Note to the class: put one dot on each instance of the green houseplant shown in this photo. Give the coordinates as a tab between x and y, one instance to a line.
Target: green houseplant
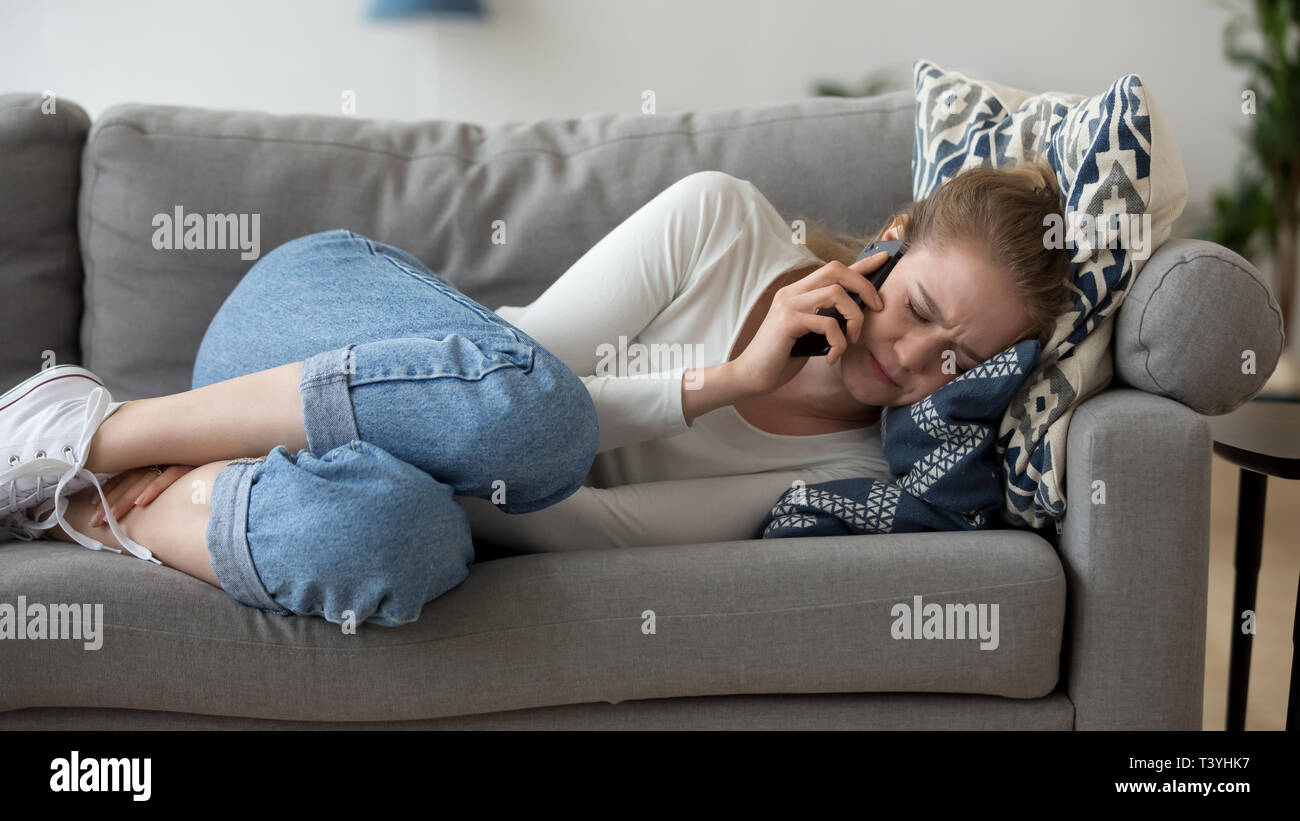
1257	215
877	82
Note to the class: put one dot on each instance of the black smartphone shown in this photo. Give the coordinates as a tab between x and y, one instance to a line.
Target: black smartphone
815	344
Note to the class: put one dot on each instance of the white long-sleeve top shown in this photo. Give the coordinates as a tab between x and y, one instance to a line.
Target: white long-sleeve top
682	273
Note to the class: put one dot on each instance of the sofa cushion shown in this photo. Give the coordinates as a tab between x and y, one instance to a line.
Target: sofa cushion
1202	327
501	211
942	457
40	265
1114	154
804	615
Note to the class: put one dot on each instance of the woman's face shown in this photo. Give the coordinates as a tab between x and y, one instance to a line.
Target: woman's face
972	313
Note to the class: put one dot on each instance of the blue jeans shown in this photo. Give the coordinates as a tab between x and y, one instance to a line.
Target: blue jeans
411	392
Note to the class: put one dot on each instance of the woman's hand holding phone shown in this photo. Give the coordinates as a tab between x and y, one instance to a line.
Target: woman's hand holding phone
766	363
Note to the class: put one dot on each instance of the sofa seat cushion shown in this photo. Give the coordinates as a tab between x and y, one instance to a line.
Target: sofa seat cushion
803	615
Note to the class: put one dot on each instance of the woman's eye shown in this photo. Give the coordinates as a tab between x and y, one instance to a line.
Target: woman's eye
913	310
960	370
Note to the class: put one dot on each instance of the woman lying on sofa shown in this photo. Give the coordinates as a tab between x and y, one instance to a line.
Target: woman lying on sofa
396	413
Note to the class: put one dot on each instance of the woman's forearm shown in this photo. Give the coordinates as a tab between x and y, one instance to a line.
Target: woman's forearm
707	389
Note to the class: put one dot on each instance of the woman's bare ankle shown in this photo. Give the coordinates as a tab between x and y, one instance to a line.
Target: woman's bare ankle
101	456
172	526
80	510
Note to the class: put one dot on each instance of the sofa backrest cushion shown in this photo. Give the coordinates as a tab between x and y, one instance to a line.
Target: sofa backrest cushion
438	189
447	192
40	266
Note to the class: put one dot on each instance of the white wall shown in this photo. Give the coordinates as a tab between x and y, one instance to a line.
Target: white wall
564	58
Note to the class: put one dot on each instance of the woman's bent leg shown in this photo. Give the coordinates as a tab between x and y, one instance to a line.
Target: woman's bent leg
173	526
354	536
228	419
491	420
393	355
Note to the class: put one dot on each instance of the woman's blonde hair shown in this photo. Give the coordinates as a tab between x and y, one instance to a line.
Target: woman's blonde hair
1004	209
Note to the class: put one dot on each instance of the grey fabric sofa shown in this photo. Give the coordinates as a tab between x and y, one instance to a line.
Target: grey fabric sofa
1102	625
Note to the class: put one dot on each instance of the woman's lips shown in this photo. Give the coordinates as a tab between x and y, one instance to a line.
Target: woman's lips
880	372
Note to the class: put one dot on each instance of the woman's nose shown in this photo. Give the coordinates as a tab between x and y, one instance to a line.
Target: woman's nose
916	354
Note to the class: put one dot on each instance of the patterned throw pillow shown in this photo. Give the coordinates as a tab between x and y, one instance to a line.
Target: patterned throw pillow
941	453
1118	163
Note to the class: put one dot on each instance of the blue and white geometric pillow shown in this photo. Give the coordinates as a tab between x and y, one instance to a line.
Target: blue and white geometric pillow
942	454
1114	156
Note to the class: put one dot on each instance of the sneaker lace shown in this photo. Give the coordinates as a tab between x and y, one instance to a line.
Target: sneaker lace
21	527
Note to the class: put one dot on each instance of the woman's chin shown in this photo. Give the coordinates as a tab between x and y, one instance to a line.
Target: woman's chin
863	386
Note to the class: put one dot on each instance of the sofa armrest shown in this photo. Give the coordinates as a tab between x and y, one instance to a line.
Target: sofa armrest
1200	326
1135	544
40	262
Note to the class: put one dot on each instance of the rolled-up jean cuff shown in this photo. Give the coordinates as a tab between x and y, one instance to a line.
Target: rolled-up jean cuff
327	415
227	537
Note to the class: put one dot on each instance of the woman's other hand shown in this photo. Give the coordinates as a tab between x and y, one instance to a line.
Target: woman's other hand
766	363
137	486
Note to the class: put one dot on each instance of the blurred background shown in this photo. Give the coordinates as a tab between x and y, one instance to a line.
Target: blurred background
528	59
495	61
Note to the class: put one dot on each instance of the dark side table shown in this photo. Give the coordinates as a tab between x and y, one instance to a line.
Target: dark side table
1263	438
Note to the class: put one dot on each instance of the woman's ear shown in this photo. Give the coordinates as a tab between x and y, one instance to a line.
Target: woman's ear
900	221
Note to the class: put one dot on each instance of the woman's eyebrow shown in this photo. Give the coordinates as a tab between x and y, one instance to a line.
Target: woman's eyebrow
933	310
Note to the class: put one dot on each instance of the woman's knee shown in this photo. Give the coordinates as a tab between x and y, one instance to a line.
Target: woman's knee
502	399
357	534
568	424
554	427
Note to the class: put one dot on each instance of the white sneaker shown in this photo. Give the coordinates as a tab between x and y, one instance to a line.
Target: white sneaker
46	426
